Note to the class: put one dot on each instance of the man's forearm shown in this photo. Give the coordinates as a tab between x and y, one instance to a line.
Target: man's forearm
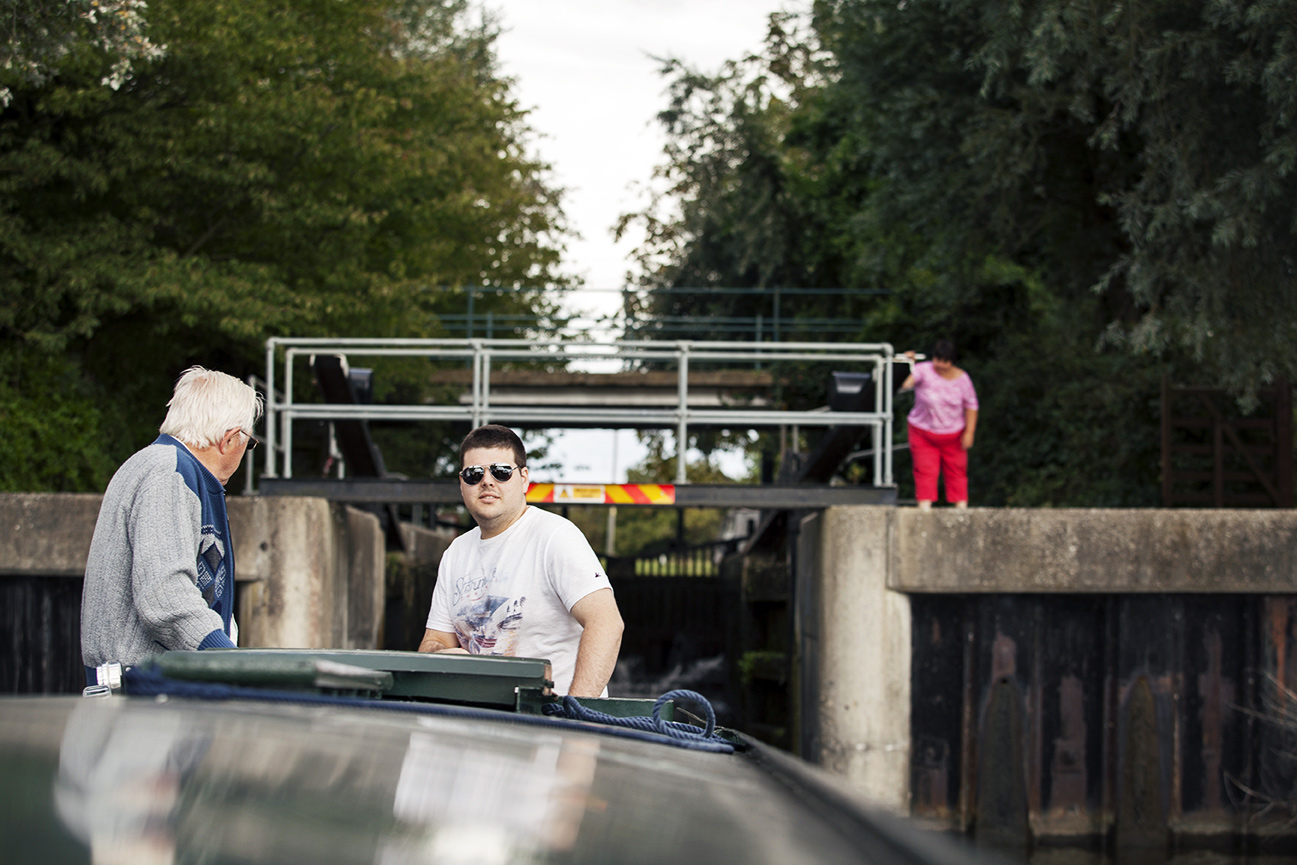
439	641
596	657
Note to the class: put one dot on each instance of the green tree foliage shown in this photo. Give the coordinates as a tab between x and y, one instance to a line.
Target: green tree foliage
318	169
55	445
37	35
1141	151
1082	195
740	202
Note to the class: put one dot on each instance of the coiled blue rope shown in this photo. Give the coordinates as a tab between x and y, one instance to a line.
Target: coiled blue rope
689	735
141	682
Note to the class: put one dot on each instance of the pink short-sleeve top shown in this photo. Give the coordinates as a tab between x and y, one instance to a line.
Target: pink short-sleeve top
939	403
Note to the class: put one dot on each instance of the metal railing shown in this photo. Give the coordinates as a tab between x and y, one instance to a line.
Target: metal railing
775	313
483	355
250	454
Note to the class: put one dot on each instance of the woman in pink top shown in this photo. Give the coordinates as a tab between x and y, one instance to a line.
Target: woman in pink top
941	425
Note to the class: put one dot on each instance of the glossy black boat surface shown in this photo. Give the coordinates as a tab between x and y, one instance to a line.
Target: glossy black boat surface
145	779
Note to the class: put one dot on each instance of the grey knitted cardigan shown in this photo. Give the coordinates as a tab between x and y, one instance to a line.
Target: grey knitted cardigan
161	569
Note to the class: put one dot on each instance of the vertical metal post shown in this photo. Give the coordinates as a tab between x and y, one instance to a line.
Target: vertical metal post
477	384
889	390
249	460
1218	460
469	323
877	427
1167	479
610	536
876	434
287	415
486	386
682	412
1283	426
271	416
776	314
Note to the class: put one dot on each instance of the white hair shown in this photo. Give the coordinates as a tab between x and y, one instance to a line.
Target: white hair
207	404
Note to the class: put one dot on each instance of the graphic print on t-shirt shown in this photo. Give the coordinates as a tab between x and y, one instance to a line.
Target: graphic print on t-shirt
486	624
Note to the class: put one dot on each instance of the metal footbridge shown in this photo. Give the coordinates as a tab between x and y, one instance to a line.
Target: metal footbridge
566	384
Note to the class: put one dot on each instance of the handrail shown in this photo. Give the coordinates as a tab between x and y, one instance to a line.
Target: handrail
249	457
281	411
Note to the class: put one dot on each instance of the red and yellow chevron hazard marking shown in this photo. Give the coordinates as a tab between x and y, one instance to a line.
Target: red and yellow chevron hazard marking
602	494
640	494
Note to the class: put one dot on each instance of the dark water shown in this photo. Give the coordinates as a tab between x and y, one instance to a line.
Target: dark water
705	676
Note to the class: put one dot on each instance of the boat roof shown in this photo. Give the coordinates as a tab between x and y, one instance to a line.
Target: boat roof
167	778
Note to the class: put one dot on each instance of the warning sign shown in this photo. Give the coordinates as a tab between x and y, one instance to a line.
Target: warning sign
588	494
602	494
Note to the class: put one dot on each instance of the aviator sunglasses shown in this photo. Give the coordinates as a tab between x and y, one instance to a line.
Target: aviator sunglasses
472	475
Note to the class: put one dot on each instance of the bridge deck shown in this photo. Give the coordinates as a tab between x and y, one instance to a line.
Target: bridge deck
707	389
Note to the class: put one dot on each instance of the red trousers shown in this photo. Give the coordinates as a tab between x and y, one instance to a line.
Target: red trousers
933	452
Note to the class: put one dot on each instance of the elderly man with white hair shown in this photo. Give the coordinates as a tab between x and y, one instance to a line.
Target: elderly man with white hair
161	570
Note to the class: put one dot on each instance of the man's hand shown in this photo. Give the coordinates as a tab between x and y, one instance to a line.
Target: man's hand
440	641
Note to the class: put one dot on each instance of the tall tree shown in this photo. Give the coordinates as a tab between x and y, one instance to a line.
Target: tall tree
36	36
868	173
322	168
1143	151
741	203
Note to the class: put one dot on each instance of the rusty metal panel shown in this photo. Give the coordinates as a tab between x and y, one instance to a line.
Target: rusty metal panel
1006	788
1274	775
936	677
1218	654
1068	714
1101	720
1149	634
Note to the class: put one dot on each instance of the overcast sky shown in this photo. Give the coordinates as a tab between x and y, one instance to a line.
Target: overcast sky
585	70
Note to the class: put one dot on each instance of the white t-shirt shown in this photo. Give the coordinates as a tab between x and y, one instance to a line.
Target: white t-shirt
512	594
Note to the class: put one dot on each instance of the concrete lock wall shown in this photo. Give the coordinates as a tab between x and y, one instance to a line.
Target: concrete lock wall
861	654
46	534
870	565
1094	550
310	573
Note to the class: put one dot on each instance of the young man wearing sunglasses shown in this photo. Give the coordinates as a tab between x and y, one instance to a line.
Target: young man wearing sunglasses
525	582
160	574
